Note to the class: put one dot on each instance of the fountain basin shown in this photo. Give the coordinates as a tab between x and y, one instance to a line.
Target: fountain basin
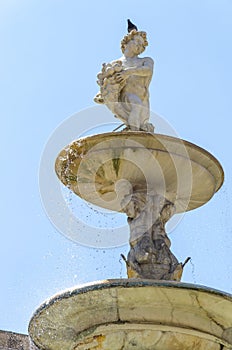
93	168
134	314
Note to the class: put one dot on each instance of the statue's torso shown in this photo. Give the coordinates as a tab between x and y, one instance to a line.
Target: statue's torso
136	84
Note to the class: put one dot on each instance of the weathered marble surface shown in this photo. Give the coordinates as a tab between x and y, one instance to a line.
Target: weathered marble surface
124	83
135	314
150	255
95	167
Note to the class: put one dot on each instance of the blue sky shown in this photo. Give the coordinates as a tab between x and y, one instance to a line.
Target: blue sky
51	52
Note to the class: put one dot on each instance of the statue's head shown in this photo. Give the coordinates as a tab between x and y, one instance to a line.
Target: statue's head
130	36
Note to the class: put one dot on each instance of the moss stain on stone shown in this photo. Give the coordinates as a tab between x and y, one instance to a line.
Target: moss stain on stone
101	172
116	165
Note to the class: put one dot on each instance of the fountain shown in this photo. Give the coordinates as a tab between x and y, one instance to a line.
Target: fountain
149	177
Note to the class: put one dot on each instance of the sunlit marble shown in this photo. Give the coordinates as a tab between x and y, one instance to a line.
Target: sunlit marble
135	314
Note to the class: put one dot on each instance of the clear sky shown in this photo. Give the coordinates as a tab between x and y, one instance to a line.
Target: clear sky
51	51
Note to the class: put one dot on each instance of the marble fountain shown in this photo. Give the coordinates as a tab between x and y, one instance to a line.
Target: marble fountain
150	177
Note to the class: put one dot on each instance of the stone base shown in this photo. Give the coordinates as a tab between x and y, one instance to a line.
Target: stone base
134	314
14	341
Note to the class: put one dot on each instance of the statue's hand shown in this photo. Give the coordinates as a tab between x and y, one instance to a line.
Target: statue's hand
121	76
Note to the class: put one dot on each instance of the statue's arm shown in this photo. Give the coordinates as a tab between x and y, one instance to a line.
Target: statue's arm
145	70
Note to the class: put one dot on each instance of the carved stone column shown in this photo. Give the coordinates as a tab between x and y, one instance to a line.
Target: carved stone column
150	255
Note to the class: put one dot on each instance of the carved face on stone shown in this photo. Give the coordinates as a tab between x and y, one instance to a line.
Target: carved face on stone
135	45
131	209
135	40
167	212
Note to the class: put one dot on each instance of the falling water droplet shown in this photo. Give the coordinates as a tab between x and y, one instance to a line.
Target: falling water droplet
193	271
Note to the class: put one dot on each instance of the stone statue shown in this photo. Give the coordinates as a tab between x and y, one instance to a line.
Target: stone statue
124	83
149	255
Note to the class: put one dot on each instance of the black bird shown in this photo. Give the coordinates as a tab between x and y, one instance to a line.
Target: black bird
131	26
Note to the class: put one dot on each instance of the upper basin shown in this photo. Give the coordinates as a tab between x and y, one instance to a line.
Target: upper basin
93	167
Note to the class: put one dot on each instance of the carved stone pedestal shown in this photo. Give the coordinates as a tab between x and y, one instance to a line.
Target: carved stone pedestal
150	255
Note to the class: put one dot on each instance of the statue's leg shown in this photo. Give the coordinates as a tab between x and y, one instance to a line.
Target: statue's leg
145	125
134	118
135	105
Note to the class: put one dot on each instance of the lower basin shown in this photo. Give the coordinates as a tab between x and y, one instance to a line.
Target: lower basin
134	314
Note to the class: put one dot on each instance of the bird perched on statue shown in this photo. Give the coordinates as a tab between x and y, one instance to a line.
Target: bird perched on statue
131	26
